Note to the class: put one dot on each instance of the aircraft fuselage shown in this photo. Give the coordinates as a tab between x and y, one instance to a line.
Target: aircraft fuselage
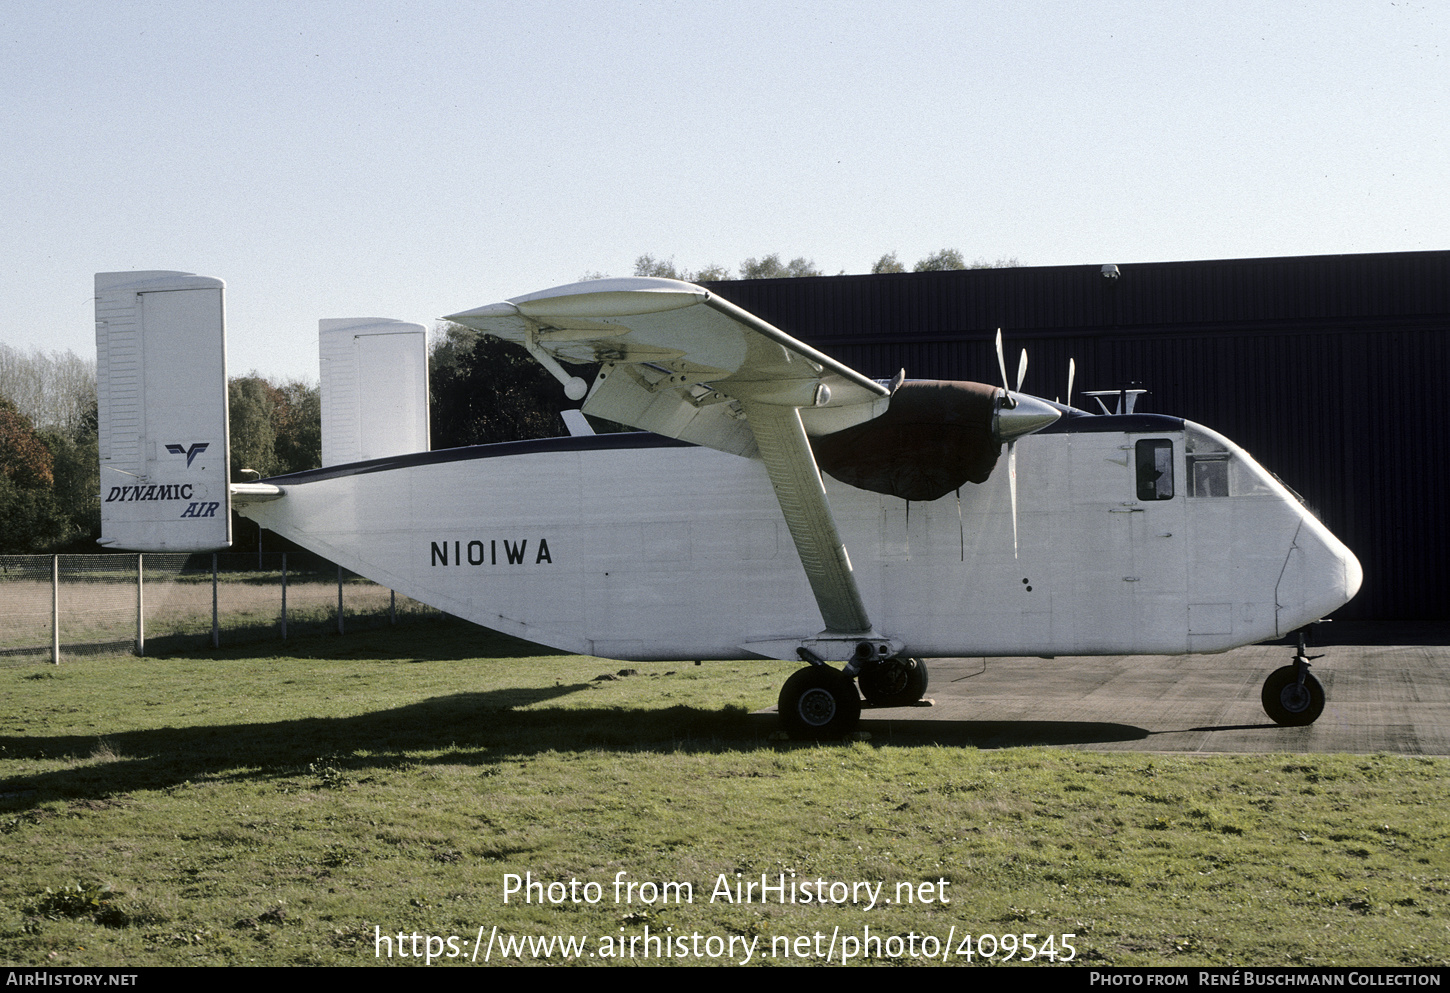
1139	534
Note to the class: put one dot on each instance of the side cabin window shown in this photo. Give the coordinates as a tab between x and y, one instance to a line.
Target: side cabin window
1155	469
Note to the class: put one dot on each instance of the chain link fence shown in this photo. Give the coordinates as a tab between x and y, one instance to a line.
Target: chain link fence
52	606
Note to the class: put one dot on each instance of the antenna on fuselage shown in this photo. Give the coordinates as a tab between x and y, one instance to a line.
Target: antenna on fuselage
1127	399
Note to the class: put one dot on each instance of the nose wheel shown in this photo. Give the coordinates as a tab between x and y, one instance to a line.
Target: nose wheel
1292	697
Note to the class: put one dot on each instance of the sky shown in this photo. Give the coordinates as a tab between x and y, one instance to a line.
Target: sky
411	160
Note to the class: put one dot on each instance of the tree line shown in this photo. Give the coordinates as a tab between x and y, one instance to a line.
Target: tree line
50	491
771	267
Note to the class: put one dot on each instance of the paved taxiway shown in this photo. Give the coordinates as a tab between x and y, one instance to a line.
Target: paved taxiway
1388	690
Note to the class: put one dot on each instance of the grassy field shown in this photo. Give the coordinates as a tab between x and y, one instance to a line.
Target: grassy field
227	809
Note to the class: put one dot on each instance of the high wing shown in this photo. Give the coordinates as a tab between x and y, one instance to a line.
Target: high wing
682	362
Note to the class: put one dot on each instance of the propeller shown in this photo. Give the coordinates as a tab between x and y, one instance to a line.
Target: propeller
1071	372
1016	416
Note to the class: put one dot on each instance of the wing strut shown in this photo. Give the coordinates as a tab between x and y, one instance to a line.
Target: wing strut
797	481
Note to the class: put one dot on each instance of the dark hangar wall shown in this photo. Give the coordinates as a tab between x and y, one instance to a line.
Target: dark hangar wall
1332	370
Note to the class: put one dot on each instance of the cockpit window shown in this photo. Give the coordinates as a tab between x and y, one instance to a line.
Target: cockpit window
1215	469
1208	475
1207	461
1155	469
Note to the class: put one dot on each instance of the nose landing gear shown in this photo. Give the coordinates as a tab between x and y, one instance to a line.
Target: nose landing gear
1292	697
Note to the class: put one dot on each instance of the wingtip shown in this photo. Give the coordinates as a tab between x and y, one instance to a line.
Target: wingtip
504	309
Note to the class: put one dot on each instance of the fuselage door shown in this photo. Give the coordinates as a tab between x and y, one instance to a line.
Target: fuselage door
1156	521
1128	514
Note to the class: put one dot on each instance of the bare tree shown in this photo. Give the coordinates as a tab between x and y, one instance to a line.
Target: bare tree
56	391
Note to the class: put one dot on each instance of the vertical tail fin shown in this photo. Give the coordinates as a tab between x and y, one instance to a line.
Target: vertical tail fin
161	377
374	388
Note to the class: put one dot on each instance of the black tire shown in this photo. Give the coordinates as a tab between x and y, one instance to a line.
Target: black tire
894	682
819	702
1289	705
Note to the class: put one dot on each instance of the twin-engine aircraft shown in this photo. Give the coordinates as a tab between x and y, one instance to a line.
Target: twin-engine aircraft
780	504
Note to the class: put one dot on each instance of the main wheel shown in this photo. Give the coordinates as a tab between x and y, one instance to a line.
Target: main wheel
893	682
819	702
1290	704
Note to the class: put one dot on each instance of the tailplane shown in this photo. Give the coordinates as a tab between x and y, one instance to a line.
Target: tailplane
161	374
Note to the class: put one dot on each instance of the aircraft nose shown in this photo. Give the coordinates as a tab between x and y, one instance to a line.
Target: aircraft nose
1320	575
1353	573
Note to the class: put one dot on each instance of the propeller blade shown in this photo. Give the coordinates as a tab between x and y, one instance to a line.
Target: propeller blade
1012	482
1071	371
1001	359
1021	370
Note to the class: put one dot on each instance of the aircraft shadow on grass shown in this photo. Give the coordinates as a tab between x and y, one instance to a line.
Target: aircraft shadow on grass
483	728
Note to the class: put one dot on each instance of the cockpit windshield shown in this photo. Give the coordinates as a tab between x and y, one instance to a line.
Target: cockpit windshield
1216	467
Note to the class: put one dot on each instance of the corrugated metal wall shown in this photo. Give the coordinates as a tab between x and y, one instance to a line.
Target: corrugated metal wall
1331	370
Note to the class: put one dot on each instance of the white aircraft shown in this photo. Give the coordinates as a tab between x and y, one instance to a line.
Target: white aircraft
781	505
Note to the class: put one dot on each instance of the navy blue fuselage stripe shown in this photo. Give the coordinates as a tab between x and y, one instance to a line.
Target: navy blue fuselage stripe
1082	422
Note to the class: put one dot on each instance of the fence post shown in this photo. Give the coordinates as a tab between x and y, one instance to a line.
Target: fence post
284	596
392	606
216	640
55	609
339	599
140	609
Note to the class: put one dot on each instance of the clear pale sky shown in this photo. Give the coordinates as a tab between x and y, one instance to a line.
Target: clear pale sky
408	160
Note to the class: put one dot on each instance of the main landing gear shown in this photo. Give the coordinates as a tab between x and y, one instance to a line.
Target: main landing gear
819	701
1292	697
894	682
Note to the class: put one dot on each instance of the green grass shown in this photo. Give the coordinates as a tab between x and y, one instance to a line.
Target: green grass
227	809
